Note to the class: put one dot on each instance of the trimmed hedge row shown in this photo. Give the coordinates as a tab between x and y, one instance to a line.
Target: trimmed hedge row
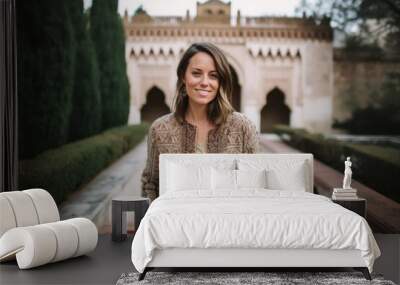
375	166
63	170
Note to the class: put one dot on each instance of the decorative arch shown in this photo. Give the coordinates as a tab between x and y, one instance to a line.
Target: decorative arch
237	90
275	111
238	67
155	105
282	87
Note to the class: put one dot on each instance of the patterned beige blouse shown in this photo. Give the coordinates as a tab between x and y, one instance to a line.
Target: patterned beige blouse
167	135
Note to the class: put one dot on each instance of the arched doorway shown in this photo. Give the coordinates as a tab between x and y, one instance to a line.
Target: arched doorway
275	111
155	106
235	101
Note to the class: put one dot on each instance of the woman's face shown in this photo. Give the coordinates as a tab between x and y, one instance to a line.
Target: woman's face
201	79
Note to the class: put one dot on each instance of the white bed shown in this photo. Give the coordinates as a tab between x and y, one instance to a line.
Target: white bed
224	216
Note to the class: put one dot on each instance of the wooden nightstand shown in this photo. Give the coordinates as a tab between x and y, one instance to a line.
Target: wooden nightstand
358	205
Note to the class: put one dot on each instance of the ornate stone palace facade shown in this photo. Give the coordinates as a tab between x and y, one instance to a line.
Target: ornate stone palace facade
283	67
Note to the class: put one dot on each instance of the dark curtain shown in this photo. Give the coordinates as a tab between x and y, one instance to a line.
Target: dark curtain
8	97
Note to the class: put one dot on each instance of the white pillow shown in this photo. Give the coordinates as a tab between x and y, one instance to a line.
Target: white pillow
282	174
182	177
226	179
293	180
251	178
223	179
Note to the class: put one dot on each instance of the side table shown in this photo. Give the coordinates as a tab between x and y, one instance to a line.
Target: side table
358	205
121	205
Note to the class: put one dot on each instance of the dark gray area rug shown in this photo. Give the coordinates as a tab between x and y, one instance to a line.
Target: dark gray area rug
229	278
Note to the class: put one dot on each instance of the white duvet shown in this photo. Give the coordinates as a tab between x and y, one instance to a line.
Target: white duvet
252	218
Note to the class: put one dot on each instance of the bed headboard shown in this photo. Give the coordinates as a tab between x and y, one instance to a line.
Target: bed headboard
282	163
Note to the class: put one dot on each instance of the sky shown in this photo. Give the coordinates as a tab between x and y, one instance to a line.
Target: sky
179	7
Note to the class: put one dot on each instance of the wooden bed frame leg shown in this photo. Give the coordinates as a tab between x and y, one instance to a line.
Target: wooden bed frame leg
364	271
143	274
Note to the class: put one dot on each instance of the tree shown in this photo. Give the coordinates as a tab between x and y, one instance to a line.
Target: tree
343	14
387	13
124	97
46	49
366	19
107	35
86	102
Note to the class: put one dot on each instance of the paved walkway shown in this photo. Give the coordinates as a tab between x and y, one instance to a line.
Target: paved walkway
123	177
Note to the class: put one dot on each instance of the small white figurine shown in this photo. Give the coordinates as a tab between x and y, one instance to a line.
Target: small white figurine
347	174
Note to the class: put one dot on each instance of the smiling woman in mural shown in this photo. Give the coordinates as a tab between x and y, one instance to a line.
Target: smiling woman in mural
203	120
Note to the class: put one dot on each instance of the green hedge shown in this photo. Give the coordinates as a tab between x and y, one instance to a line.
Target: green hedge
63	170
375	166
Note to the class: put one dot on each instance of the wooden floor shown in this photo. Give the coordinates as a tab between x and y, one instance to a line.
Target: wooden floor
110	259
